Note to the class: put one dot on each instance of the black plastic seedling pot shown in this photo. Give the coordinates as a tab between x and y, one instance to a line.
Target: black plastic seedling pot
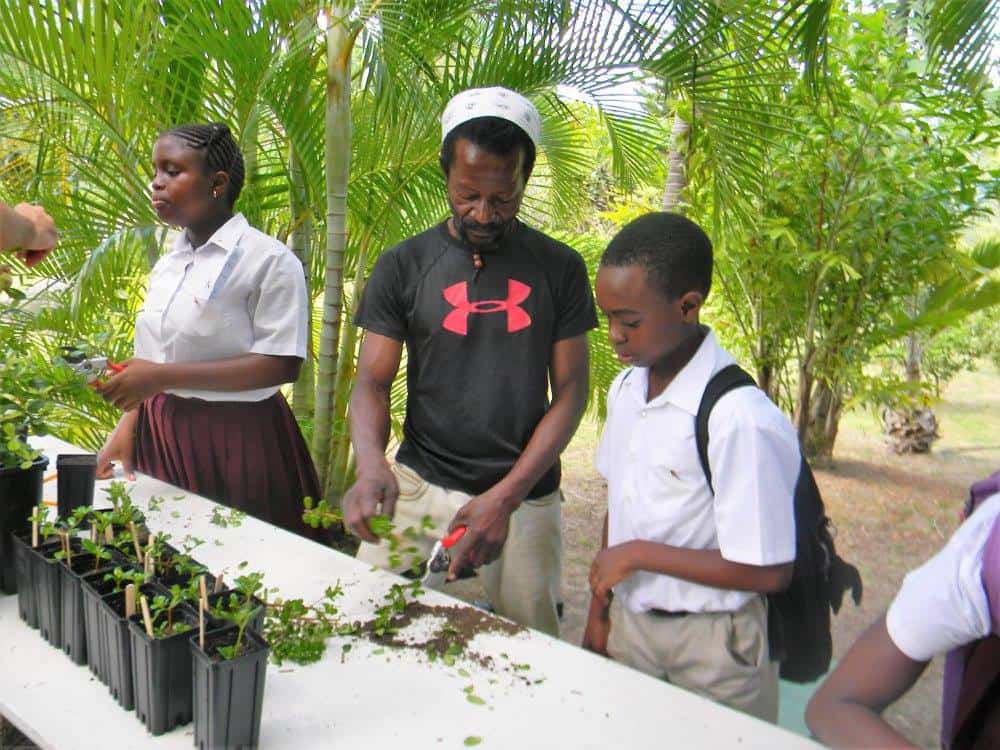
47	583
74	627
76	473
20	491
228	693
161	674
25	559
117	644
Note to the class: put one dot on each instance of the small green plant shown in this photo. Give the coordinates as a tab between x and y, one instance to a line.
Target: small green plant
123	510
123	578
162	611
222	518
322	515
155	503
99	551
298	631
240	608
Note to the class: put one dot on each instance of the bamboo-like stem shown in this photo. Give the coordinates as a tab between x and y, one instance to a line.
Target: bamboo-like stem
339	43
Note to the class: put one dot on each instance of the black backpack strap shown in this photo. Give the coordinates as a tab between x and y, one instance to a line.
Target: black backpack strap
725	380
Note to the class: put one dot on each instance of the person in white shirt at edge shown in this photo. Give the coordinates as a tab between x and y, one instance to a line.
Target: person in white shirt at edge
941	606
678	586
224	324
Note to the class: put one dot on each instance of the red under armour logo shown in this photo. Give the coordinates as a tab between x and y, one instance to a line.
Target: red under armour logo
457	321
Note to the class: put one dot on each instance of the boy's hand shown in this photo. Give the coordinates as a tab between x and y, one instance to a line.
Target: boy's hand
595	634
611	566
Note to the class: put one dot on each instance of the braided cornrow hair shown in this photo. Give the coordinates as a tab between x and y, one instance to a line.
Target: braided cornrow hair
222	154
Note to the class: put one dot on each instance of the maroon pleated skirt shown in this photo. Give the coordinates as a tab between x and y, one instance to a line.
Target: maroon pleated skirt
249	455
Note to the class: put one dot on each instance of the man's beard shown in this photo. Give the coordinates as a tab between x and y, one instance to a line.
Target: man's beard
484	237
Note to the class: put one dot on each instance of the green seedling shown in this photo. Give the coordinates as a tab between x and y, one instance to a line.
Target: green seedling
123	578
240	608
100	552
221	518
162	611
322	515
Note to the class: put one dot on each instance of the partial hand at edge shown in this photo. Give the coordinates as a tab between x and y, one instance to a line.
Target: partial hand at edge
374	491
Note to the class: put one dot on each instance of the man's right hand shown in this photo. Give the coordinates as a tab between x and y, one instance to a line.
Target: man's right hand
373	488
595	634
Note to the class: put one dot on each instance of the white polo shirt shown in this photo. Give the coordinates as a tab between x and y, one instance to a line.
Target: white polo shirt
657	490
240	292
942	604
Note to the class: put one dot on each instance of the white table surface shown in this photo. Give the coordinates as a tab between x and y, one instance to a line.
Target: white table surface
395	699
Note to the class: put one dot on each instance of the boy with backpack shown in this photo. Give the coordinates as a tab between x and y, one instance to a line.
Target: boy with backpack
950	604
679	587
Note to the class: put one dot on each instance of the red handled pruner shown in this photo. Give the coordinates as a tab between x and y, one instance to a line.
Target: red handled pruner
440	560
93	368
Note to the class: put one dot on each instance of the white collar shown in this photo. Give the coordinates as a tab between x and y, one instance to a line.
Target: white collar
225	238
688	386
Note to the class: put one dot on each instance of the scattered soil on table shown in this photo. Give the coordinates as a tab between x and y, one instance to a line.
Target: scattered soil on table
461	625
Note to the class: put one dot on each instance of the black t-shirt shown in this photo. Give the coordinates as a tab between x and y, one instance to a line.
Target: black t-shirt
478	347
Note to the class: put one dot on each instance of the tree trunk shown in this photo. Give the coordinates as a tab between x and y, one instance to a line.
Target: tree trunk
339	42
824	422
677	164
300	242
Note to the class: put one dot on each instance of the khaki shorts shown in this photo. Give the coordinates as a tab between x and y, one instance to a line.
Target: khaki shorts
720	655
522	584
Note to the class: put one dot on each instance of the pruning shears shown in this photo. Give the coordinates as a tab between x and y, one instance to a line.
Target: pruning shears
440	560
94	367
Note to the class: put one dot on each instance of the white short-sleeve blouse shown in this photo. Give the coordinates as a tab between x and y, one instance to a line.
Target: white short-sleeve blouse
241	292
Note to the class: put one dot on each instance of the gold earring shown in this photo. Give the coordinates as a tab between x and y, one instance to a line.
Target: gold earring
215	194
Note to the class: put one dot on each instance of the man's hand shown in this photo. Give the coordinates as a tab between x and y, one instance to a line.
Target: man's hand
487	520
611	566
374	488
39	241
138	380
595	634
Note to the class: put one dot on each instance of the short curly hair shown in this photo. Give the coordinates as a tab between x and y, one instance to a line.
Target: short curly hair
675	252
222	153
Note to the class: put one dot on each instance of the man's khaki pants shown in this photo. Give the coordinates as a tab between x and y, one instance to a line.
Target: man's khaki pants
720	655
522	584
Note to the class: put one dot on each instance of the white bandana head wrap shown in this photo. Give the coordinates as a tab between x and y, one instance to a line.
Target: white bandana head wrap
492	102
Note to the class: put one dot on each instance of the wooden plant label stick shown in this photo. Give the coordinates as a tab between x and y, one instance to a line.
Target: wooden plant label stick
219	585
201	619
202	589
148	563
130	600
109	534
34	530
135	539
146	619
93	534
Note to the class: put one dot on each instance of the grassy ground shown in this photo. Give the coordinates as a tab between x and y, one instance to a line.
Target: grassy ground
891	513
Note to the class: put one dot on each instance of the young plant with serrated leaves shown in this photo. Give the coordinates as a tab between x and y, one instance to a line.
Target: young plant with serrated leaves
99	551
123	577
240	608
321	515
162	610
123	510
298	631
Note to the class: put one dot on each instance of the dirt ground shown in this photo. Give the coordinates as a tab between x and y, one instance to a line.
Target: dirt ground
891	513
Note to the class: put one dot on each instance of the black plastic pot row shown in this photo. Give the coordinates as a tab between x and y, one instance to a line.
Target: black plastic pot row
168	681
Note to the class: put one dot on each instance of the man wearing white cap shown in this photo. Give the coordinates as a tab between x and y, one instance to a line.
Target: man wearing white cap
493	314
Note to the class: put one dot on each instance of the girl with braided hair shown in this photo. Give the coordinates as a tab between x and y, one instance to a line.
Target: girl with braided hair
224	324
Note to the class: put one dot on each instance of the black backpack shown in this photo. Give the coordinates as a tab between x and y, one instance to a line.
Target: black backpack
798	618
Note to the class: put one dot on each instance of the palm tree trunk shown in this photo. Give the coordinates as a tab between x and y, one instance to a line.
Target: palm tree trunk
300	242
339	42
677	181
